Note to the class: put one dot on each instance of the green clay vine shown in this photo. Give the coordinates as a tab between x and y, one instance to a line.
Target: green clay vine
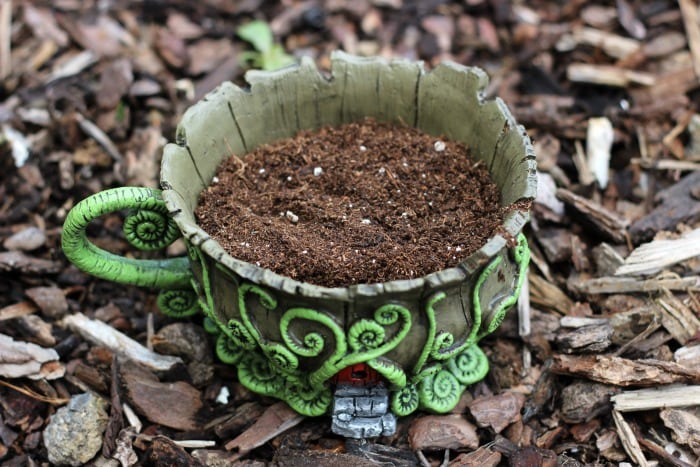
313	343
521	255
443	369
469	366
239	335
150	230
256	373
439	392
405	400
365	335
308	400
390	314
227	351
178	303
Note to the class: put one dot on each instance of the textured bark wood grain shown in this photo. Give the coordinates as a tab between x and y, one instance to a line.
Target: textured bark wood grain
624	372
608	222
677	204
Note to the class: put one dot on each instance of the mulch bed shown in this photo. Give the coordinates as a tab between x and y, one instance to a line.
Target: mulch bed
365	202
600	365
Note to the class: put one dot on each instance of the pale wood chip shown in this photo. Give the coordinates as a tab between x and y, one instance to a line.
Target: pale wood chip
601	285
27	360
657	398
102	334
629	440
652	257
608	75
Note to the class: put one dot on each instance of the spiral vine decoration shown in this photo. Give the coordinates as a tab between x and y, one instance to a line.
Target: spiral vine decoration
178	303
365	334
239	334
440	392
150	230
280	358
405	400
256	373
312	343
307	400
227	351
469	366
366	345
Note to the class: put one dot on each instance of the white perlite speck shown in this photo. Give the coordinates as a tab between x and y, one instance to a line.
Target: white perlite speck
292	217
439	146
318	171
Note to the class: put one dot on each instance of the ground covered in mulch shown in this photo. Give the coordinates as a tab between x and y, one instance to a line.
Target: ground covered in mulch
598	365
364	202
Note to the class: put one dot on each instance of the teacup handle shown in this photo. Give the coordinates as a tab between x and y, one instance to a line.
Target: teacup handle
147	227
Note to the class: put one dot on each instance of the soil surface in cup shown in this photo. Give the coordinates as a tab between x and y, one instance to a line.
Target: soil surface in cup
361	203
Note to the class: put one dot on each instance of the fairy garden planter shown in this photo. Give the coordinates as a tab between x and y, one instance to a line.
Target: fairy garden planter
363	352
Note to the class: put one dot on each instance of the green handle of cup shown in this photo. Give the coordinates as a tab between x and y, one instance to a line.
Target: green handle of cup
147	227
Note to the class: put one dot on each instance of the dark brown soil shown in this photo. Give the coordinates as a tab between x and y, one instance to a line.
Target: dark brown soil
365	202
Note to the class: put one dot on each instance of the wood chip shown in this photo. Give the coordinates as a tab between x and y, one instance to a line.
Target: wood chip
677	318
483	457
174	405
685	424
628	284
624	372
609	223
442	432
607	75
677	204
15	261
652	257
27	360
629	440
497	412
657	398
276	419
51	300
102	334
544	293
17	310
689	10
612	44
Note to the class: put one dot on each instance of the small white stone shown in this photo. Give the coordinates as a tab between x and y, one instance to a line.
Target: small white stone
303	252
458	249
289	178
439	146
318	171
363	148
215	180
382	171
222	397
261	171
366	221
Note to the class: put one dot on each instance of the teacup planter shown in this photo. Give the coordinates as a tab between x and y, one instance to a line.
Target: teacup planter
364	353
